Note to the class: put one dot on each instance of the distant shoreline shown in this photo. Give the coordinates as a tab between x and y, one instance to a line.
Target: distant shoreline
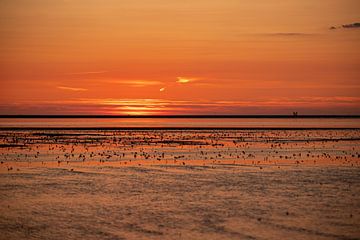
170	128
179	116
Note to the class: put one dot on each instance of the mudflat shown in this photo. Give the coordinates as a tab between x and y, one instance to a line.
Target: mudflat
180	184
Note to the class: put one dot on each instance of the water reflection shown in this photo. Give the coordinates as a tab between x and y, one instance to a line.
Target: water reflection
186	122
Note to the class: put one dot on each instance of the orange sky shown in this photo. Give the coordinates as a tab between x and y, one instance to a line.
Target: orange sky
179	57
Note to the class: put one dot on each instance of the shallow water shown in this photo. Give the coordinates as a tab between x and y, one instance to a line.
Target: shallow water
180	122
219	184
225	202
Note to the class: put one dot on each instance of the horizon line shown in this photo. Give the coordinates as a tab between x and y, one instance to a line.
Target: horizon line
170	128
179	116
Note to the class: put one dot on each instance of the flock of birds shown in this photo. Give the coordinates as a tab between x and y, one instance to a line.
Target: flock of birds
254	147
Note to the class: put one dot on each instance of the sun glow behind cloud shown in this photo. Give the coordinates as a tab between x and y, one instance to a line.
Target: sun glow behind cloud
165	107
186	80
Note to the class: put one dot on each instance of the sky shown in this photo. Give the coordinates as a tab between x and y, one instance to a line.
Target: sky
179	57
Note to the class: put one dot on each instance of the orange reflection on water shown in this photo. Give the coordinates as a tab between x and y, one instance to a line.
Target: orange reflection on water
180	122
85	148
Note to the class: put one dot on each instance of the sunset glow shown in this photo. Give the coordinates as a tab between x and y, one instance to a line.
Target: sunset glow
179	57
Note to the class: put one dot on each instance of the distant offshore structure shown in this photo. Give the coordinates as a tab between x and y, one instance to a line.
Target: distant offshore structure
295	114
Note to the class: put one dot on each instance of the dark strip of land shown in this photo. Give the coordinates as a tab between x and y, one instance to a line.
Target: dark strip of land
170	128
179	116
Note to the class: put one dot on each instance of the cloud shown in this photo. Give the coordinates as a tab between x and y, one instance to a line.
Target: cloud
346	26
287	34
278	105
351	25
136	83
290	34
72	89
185	80
86	73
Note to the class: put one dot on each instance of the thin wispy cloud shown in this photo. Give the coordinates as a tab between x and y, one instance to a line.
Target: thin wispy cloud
87	73
351	25
355	25
285	34
290	34
180	80
72	89
135	83
186	79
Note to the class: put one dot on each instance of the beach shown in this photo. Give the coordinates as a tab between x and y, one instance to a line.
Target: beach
180	184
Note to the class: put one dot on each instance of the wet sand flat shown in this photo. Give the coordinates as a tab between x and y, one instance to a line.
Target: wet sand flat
200	184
